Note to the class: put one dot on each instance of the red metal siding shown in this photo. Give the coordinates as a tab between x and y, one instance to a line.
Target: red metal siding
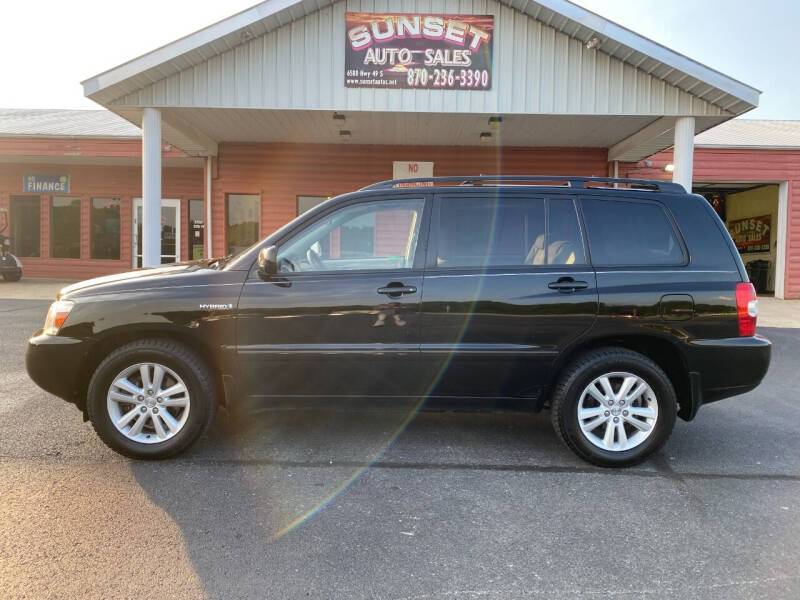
82	147
86	182
281	172
745	165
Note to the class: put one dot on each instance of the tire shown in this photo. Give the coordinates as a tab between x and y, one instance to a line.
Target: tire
655	405
180	367
12	276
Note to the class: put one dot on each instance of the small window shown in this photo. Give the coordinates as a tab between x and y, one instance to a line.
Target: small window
197	229
306	203
104	219
65	227
243	221
367	236
630	233
26	220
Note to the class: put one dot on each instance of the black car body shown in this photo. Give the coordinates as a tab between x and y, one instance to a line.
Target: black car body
497	311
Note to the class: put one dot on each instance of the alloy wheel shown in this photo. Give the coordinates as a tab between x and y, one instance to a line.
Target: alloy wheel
617	411
148	403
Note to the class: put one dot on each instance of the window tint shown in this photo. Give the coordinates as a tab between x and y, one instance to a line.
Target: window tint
26	225
243	221
507	231
65	227
104	222
630	233
369	236
564	243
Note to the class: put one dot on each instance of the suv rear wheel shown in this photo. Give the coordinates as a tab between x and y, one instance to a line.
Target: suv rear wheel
151	399
613	407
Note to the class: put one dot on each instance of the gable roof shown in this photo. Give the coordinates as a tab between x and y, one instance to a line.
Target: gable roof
65	123
751	133
730	95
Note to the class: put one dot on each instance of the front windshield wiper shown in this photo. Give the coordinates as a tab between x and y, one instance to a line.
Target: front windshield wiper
221	261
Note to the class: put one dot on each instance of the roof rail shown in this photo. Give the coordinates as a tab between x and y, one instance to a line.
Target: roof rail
576	182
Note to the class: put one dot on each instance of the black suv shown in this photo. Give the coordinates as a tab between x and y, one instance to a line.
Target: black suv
618	304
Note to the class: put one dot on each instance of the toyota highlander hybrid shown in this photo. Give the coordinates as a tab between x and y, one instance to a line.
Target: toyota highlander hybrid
617	304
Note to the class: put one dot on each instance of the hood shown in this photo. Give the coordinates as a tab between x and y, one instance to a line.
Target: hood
168	275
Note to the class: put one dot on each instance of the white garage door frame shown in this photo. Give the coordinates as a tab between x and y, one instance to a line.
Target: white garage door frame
783	218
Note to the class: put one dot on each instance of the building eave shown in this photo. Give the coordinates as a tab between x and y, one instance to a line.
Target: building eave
733	96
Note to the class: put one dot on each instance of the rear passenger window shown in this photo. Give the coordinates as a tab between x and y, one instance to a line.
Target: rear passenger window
564	243
630	233
507	231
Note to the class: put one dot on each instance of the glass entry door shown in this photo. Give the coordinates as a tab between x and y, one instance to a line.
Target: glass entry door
170	231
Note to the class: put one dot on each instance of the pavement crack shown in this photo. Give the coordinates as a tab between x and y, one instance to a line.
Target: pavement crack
444	466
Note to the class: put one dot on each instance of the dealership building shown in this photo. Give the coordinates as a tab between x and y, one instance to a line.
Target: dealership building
219	138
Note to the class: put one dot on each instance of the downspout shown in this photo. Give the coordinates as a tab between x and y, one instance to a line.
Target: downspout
209	238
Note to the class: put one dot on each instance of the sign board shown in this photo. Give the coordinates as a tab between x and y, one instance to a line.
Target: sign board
411	169
46	183
751	234
418	51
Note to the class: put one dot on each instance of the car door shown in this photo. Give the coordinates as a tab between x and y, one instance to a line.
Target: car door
507	287
342	315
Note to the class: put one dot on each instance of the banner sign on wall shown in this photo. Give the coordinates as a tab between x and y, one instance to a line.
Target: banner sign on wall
46	183
751	234
418	51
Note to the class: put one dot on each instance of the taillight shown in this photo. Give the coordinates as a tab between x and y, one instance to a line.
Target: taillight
746	308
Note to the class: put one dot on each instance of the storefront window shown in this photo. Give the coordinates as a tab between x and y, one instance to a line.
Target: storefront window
65	227
197	229
306	203
243	221
104	219
26	218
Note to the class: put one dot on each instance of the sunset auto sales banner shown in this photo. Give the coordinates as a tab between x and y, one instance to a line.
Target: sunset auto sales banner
418	51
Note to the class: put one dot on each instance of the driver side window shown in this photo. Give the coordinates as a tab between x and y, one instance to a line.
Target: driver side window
380	235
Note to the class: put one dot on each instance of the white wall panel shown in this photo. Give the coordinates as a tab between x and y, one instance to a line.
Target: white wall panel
537	70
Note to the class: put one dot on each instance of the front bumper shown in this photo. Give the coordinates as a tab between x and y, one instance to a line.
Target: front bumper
54	364
722	368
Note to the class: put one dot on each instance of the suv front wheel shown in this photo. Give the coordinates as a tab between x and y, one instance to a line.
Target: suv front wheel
613	407
151	399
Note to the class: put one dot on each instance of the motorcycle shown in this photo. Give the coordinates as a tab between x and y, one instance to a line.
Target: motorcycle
10	267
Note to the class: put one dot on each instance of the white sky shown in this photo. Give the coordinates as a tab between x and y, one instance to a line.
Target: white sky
48	46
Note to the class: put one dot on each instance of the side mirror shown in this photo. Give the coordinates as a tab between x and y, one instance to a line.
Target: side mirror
268	262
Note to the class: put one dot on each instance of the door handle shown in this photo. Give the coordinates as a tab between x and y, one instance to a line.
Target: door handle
567	284
395	291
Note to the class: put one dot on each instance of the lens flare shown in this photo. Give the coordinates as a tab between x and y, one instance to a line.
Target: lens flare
423	398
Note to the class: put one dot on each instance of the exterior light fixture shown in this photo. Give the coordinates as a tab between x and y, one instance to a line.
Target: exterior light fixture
648	163
669	168
338	116
344	135
592	43
486	137
494	122
246	35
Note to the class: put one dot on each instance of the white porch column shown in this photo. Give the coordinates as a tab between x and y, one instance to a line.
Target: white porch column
683	158
151	188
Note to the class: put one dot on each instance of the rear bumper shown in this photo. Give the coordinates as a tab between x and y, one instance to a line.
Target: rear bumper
54	364
722	368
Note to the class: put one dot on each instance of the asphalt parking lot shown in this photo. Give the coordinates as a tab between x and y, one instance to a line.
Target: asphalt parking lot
359	502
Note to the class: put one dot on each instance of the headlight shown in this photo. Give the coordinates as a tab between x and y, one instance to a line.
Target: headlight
57	315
